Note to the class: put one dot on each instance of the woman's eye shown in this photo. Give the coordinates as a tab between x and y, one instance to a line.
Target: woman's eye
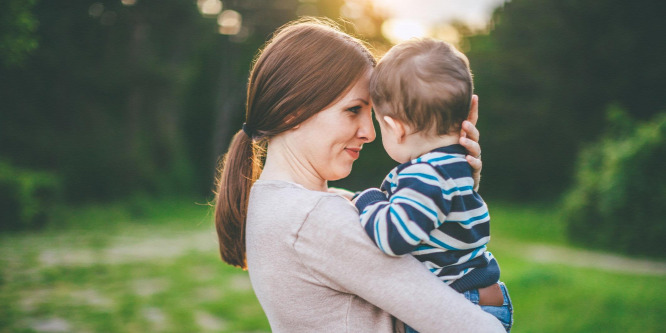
355	109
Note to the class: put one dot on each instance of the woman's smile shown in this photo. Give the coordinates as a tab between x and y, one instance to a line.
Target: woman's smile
353	152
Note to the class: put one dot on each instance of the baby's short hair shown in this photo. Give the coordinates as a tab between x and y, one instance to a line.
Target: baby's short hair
425	83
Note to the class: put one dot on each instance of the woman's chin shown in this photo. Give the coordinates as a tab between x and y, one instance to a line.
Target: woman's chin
340	174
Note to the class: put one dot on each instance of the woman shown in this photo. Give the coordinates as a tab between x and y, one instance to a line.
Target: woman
311	266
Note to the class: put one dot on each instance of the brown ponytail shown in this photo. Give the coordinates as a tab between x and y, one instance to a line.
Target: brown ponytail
306	66
239	169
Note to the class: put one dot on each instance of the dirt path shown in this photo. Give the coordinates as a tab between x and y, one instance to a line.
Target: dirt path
585	258
126	249
144	248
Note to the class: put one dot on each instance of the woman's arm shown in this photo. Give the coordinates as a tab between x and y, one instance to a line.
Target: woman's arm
339	254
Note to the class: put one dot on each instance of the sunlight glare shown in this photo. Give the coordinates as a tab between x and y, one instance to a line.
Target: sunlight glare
447	33
230	22
399	30
352	10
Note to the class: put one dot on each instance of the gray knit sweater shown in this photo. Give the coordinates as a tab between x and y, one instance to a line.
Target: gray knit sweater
313	269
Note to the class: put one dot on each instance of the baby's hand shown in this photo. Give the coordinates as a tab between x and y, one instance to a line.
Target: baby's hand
341	192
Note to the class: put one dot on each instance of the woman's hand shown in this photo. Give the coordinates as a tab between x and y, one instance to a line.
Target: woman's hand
469	138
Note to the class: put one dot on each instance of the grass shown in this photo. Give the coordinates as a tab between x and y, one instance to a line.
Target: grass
555	298
536	223
551	297
152	266
105	277
168	296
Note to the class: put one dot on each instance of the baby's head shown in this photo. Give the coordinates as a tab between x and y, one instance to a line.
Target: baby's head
424	84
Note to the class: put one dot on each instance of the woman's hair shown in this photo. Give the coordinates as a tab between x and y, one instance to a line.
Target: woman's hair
426	83
306	66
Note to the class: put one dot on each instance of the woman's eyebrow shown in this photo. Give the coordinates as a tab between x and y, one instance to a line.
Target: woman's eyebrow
362	100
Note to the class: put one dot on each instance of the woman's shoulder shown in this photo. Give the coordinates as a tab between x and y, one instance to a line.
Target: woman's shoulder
269	195
312	223
332	221
282	191
296	203
285	192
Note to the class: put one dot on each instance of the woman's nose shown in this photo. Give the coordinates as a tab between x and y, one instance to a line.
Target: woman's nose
366	130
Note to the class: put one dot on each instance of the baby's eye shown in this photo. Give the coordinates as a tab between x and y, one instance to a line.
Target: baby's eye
354	109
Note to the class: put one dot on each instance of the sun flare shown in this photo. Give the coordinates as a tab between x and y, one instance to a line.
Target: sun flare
399	30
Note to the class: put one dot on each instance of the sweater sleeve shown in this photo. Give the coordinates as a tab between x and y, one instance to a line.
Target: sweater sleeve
419	204
332	245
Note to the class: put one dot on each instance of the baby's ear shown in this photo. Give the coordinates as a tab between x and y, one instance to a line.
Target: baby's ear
397	126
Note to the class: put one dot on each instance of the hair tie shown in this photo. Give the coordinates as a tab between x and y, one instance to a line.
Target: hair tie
247	130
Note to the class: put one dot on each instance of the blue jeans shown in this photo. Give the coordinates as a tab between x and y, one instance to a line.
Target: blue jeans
504	313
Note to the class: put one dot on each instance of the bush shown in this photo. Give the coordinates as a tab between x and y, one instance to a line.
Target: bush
27	197
619	199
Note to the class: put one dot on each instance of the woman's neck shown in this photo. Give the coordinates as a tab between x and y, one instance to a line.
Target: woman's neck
284	164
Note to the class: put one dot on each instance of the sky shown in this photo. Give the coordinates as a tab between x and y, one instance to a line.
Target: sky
406	18
418	18
474	12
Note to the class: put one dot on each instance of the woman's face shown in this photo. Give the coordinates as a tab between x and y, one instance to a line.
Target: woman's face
330	141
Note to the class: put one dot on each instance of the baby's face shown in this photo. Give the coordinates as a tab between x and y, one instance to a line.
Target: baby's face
391	141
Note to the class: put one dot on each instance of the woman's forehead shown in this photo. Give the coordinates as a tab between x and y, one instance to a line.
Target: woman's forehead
359	91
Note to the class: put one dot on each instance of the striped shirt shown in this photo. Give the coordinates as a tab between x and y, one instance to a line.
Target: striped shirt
428	207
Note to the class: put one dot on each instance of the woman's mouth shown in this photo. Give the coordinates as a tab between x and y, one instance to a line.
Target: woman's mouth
353	152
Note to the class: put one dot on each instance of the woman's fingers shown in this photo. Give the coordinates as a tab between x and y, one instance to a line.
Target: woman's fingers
474	110
475	163
469	131
474	159
471	145
469	138
476	170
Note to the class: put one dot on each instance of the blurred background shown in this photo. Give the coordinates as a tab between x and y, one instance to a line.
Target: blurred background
114	114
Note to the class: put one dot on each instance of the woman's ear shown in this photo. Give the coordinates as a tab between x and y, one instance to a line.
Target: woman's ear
397	126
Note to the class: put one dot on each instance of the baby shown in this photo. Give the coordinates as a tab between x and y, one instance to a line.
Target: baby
422	91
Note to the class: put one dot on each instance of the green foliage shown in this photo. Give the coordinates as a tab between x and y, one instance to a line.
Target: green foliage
100	100
120	98
544	75
18	28
618	199
27	197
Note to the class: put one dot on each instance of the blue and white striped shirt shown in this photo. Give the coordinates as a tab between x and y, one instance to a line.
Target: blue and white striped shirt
428	207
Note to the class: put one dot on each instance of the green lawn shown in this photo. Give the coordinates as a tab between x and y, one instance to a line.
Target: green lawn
153	267
125	267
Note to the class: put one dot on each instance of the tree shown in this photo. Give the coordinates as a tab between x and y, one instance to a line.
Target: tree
99	103
546	72
617	200
17	31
